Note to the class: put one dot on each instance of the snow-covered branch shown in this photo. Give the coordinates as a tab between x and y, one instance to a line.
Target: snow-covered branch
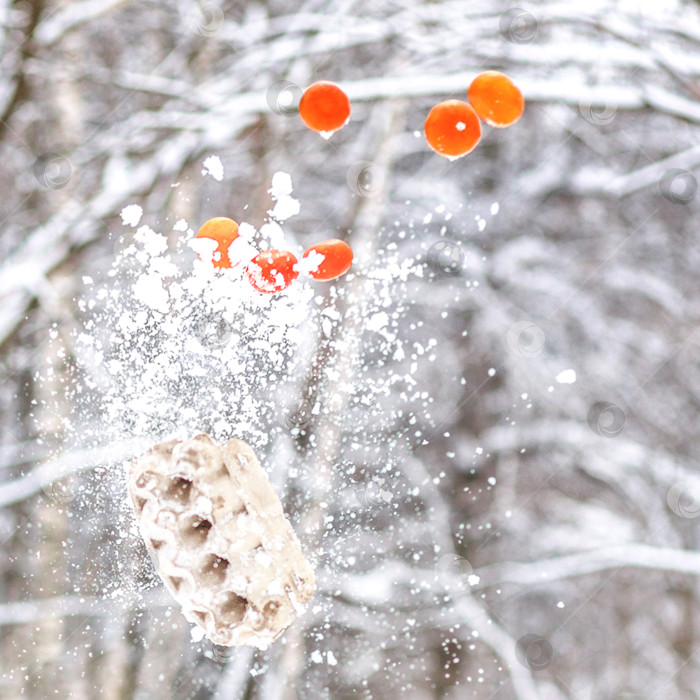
543	571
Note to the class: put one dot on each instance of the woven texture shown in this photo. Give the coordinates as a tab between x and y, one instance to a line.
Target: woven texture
220	540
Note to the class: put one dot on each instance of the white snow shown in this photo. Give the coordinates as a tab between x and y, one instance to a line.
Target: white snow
285	208
568	376
274	234
131	215
377	321
241	251
309	263
285	205
214	167
281	184
154	243
148	289
197	634
204	247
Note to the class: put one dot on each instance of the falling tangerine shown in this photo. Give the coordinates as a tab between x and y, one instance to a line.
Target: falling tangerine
496	99
324	107
224	231
337	259
272	271
452	128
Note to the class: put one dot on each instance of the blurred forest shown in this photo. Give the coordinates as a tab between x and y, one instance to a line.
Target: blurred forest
482	526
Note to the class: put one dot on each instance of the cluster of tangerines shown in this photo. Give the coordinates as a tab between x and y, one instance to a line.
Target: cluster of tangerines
452	129
271	271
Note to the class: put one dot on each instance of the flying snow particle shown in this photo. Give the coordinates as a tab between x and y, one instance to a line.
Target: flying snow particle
204	247
494	208
148	289
568	376
285	208
310	262
281	184
154	243
273	233
241	251
285	205
214	167
378	321
131	215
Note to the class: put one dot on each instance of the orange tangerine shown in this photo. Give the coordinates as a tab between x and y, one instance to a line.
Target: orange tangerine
452	128
496	99
224	231
324	107
337	259
272	271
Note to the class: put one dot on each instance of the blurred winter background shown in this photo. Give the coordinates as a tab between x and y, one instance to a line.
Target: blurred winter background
486	435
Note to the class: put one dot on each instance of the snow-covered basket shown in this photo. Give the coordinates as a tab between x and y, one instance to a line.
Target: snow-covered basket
220	539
